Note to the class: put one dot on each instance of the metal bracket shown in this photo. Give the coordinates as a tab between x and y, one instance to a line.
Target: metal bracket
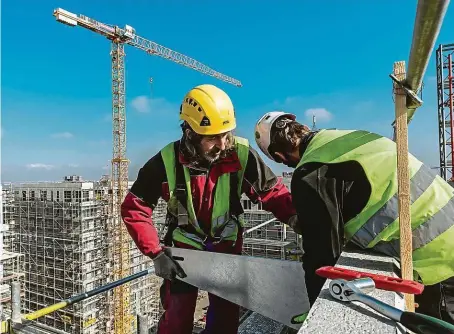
413	100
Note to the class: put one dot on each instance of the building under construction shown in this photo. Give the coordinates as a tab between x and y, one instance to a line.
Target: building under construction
273	240
61	231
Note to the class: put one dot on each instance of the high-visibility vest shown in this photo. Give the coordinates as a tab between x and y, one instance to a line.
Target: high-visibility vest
222	225
377	225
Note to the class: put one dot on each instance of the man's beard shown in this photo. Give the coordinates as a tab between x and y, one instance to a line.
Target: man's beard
213	155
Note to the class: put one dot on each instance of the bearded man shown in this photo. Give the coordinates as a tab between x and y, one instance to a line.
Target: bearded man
201	177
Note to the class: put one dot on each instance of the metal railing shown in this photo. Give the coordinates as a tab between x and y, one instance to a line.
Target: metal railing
19	320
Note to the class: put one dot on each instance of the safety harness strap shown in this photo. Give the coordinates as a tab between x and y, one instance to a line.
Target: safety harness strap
180	191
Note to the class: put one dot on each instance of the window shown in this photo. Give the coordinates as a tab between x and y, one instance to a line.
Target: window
67	196
77	196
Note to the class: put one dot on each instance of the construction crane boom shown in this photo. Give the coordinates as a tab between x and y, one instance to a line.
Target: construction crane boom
128	36
121	311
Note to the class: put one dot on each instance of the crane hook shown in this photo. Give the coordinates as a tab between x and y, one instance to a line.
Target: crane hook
151	87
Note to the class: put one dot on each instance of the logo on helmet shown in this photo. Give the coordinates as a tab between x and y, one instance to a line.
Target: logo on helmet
205	121
257	135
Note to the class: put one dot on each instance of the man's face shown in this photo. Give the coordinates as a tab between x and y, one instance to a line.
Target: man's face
286	159
211	147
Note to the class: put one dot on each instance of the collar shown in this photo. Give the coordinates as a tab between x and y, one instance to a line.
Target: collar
305	142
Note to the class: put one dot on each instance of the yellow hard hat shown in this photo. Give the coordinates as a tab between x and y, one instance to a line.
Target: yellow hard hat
208	110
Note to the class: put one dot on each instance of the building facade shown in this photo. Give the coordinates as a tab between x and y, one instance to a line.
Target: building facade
60	230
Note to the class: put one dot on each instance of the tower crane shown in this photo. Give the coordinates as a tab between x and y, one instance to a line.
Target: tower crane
119	183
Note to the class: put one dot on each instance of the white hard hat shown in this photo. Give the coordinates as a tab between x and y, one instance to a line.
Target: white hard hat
263	129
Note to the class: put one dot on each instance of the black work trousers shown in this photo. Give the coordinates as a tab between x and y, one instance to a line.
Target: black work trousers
438	300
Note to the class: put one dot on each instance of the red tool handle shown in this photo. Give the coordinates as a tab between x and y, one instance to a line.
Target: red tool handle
381	281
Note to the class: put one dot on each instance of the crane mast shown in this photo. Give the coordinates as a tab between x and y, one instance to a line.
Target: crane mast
119	182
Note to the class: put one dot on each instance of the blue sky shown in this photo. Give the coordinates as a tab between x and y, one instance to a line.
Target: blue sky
331	56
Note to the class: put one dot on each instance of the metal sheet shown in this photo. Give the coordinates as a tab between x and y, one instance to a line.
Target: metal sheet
273	288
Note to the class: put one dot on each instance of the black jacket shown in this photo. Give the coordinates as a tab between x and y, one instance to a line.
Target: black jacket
325	197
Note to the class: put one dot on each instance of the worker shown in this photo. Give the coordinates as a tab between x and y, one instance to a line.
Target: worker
344	188
219	167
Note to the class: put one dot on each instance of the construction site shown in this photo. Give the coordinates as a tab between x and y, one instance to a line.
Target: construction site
62	239
58	241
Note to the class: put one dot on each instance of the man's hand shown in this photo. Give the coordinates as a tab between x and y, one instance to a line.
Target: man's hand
295	224
166	267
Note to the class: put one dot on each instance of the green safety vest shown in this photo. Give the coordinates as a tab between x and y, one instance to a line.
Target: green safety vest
377	225
222	224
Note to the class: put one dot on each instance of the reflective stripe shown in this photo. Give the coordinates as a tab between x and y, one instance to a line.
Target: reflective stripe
425	233
220	221
377	225
187	238
168	157
388	213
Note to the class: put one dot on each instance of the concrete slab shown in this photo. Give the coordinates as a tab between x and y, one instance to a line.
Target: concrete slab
330	316
258	324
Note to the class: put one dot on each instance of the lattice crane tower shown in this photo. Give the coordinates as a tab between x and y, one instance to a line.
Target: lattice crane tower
119	37
445	94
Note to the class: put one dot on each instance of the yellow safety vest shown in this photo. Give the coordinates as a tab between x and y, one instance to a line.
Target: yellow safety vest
377	225
221	223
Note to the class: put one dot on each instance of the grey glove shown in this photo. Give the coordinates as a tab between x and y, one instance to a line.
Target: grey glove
166	267
295	224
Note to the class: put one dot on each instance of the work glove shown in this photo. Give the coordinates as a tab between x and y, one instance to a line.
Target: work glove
166	267
295	224
299	319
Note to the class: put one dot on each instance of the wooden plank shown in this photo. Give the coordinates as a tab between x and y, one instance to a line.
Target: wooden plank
403	179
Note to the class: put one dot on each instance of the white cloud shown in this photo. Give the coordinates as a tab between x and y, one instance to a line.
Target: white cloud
145	104
40	166
141	104
64	135
321	114
73	165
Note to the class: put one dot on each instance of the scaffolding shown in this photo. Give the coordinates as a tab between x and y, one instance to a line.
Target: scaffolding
445	93
13	270
145	290
60	230
273	240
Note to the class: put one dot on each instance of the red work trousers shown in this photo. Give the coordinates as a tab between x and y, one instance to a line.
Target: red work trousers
179	301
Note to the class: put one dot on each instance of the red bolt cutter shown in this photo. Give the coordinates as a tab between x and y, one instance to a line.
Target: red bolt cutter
382	282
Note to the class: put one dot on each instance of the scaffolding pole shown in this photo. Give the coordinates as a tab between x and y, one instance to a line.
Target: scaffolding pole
428	21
